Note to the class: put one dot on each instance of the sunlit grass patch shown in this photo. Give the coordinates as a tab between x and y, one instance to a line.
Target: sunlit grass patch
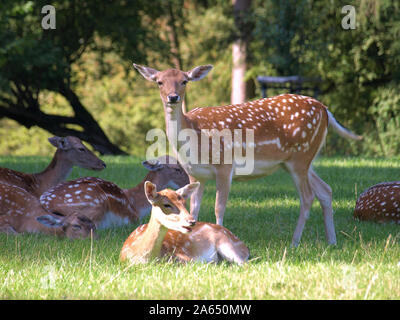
365	264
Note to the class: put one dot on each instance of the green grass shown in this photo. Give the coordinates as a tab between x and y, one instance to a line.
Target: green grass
365	264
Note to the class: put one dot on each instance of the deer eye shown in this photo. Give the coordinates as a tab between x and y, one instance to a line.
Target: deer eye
159	83
184	82
76	227
167	205
81	149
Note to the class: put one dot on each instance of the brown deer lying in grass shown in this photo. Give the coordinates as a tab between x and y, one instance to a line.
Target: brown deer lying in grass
173	232
70	152
21	212
104	202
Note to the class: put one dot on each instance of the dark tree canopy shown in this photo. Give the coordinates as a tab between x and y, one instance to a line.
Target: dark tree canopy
33	59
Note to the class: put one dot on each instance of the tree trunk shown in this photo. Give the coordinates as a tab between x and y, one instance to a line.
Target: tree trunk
92	132
239	52
26	111
238	94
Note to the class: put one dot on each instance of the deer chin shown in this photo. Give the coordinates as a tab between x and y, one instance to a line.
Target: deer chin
180	227
184	229
173	104
97	168
171	107
94	168
173	222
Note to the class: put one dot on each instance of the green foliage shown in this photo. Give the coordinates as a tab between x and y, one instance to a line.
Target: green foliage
34	61
385	112
18	140
284	35
356	66
360	69
124	109
208	42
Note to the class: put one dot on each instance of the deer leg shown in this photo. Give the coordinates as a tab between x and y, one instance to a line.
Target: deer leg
306	199
323	193
195	199
223	184
5	226
8	230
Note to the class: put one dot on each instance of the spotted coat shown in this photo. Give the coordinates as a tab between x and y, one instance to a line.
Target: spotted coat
292	120
106	203
20	209
206	242
379	203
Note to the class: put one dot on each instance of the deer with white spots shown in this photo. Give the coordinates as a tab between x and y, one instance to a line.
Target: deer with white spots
289	130
105	203
70	152
172	232
21	212
379	203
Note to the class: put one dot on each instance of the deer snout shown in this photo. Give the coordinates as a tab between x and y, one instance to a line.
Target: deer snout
173	98
100	166
187	224
190	221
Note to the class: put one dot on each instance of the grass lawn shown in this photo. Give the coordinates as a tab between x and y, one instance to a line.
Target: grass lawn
365	264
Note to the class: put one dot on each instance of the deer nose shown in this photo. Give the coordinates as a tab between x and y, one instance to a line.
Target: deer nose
100	166
173	98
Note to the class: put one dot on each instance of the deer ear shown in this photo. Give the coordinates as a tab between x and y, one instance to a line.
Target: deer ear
86	221
199	73
148	73
59	143
187	190
152	165
150	190
50	221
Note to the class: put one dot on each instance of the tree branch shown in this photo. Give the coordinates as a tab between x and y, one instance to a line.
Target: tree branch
29	117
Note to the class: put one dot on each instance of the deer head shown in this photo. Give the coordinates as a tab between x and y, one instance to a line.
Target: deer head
72	226
169	207
172	82
73	150
166	172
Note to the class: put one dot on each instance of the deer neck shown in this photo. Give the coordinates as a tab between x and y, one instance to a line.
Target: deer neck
175	121
138	199
57	171
149	246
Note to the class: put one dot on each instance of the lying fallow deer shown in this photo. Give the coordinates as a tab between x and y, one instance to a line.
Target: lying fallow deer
288	131
70	152
379	203
105	203
21	212
173	232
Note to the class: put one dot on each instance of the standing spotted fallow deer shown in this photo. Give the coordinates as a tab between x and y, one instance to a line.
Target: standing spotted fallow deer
70	152
288	129
21	212
105	203
173	232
